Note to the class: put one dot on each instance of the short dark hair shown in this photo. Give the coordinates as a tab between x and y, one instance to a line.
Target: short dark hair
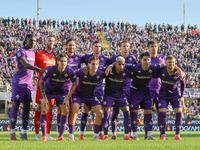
69	40
28	36
170	57
50	36
60	56
92	58
144	54
151	43
96	42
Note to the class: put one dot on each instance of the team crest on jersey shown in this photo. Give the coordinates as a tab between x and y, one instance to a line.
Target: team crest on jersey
17	96
160	65
76	58
102	58
160	58
43	55
130	59
131	105
104	103
85	76
139	71
66	75
163	75
74	99
159	104
54	74
155	65
124	74
98	77
150	71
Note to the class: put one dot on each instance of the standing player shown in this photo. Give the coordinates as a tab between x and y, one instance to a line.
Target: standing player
43	59
73	63
155	83
85	94
22	85
114	93
129	59
169	92
55	77
103	60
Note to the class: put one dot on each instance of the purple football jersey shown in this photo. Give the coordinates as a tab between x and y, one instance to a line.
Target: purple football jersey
128	60
155	83
88	83
103	61
73	63
170	84
55	80
115	81
24	76
141	78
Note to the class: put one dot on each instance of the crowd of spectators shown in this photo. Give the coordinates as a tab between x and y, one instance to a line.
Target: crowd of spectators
183	43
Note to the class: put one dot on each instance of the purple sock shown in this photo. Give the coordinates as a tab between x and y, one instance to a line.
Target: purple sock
64	122
83	121
149	121
71	129
134	121
105	123
13	116
58	122
127	122
162	122
25	117
96	128
145	129
43	119
114	119
178	122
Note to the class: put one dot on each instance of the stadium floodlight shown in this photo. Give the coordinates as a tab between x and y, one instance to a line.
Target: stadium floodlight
184	13
38	13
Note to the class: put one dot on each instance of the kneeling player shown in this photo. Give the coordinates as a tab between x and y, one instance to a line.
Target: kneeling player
114	93
169	93
55	77
84	93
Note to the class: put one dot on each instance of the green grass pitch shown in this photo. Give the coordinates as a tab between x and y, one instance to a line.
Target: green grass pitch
191	140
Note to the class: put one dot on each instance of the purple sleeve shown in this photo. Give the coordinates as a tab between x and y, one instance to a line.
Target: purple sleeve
182	87
158	67
79	72
20	54
45	75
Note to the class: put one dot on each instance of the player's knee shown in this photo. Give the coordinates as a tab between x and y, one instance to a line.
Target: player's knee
16	103
26	105
99	113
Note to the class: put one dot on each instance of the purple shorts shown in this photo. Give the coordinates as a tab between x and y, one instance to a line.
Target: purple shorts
154	98
59	97
110	101
21	93
140	97
163	102
99	94
89	101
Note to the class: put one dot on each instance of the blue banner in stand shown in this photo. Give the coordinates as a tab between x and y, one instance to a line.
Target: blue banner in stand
188	125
